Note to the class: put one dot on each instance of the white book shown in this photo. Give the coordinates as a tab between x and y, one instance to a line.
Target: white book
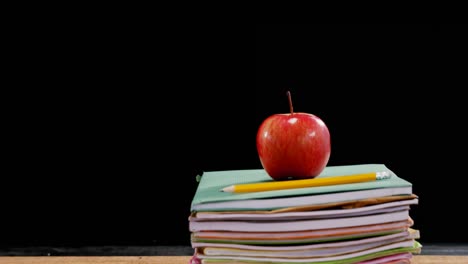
262	204
331	213
406	233
406	245
298	225
303	251
289	236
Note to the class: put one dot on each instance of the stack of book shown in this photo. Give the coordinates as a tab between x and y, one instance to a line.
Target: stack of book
366	222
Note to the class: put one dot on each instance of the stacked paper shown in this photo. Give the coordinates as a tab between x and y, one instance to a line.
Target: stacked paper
366	222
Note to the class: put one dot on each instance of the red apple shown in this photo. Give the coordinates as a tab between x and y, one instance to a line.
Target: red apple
293	145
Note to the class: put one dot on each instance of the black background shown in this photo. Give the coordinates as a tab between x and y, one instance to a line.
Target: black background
110	154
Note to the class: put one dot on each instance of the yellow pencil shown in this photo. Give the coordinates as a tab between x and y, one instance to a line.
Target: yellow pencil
291	184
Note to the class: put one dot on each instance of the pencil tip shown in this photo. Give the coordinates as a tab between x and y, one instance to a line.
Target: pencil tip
228	189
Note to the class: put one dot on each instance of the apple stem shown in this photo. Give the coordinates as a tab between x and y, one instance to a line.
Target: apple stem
290	102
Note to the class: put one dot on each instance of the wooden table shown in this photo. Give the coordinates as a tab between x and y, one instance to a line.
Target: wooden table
418	259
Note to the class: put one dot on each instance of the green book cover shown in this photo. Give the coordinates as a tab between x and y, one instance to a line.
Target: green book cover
212	182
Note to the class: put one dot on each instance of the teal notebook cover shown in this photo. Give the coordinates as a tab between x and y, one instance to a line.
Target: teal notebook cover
212	182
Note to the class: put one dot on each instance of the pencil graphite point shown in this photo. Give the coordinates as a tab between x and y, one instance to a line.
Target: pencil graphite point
228	189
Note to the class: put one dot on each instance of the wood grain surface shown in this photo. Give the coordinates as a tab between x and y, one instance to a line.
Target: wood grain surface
419	259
